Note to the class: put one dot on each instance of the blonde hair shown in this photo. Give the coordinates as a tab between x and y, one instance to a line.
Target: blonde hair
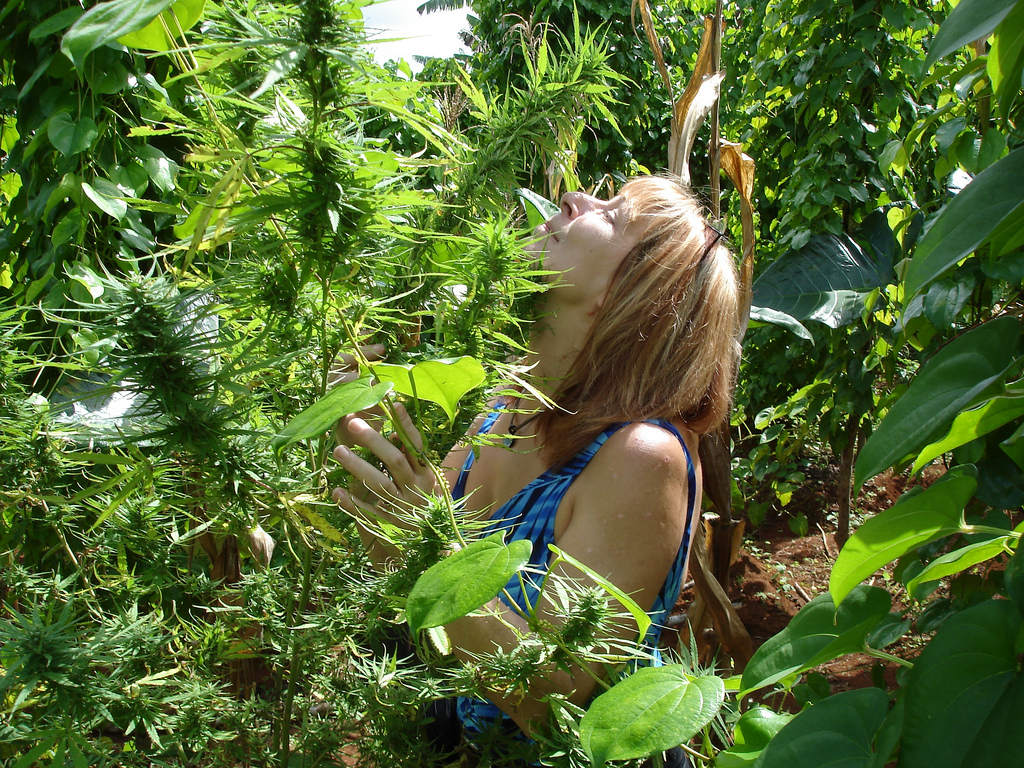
664	342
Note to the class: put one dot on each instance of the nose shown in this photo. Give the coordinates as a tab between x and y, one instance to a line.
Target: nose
575	203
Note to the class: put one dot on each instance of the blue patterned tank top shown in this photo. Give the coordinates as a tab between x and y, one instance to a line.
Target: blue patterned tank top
530	514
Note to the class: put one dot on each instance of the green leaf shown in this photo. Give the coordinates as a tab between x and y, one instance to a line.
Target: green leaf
55	23
464	581
154	36
643	621
838	732
958	376
161	169
106	196
652	710
976	422
1006	58
347	398
826	280
967	222
781	319
754	730
538	209
959	560
909	523
105	22
92	282
440	381
971	20
965	695
818	633
71	138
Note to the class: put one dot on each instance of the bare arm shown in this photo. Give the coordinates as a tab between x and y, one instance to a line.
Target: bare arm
627	523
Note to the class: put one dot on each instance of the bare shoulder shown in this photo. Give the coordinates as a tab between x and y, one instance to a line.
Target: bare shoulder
628	510
645	450
640	465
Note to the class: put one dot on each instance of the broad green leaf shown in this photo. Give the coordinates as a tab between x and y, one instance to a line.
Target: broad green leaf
820	632
774	317
966	222
161	169
1007	238
935	512
643	621
959	560
106	196
444	382
105	22
347	398
538	209
652	710
464	581
972	424
838	732
131	179
944	299
965	694
154	36
71	137
82	274
1006	58
826	280
957	377
55	23
971	20
754	730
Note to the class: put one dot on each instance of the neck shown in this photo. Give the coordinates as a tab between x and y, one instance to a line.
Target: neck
556	341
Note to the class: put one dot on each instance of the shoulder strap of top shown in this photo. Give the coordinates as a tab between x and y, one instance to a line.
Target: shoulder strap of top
691	472
459	489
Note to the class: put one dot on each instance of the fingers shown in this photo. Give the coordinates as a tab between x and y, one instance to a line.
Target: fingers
376	481
404	469
405	420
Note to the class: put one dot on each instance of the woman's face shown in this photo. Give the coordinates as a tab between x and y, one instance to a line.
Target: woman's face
586	241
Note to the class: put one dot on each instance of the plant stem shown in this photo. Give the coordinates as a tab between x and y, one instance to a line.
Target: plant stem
295	674
888	657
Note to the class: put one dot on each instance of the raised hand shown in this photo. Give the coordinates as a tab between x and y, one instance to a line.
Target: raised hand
390	492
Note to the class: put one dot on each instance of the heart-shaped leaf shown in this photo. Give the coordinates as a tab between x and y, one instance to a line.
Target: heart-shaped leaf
444	382
464	581
754	730
69	136
107	197
652	710
182	15
837	731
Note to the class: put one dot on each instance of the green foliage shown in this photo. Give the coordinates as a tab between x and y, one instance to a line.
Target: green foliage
964	374
652	710
842	726
964	690
820	632
464	581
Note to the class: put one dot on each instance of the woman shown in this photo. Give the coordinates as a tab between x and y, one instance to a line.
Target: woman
637	352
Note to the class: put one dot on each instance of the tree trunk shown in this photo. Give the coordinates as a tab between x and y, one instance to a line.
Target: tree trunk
846	480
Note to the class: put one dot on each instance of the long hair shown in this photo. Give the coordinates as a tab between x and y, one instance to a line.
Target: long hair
664	342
